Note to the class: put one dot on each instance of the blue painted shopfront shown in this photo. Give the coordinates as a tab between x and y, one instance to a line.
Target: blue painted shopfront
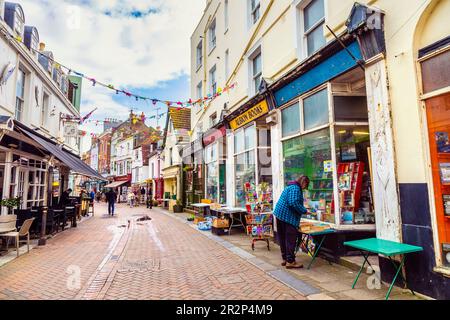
330	68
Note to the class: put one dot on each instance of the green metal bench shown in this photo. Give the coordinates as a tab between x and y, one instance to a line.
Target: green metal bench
385	248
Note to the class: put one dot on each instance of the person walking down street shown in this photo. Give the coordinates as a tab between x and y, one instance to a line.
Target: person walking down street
131	198
288	213
92	196
111	198
142	195
149	199
98	196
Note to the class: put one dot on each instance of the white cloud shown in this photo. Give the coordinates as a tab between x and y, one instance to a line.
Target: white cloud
101	39
130	52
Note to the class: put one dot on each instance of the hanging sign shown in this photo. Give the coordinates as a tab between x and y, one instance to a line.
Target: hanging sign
250	115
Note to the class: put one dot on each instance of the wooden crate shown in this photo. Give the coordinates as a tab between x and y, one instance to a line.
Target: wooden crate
221	223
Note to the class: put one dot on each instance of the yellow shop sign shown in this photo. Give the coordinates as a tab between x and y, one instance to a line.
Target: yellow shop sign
250	115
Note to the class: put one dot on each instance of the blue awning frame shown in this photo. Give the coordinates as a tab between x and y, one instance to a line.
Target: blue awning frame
327	70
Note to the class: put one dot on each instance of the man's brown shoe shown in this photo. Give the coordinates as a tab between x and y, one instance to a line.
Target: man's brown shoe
294	265
283	264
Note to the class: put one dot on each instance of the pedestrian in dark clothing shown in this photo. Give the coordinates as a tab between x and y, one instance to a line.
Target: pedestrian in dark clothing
288	213
111	198
149	199
65	198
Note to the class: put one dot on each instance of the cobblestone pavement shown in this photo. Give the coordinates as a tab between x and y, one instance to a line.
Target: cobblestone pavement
122	258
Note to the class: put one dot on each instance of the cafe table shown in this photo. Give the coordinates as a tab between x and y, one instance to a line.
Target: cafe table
388	249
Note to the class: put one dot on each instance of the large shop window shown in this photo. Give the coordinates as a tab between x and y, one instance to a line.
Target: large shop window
212	173
353	172
244	142
310	155
438	114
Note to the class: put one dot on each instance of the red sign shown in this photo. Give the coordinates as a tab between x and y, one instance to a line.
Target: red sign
123	178
213	135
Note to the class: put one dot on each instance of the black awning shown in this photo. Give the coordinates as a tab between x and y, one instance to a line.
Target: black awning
69	159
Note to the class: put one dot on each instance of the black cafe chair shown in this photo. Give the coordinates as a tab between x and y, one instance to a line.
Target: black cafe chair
70	214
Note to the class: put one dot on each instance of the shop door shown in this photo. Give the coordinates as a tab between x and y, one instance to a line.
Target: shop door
438	115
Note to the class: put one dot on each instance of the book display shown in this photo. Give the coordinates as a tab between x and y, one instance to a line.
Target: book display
350	178
259	208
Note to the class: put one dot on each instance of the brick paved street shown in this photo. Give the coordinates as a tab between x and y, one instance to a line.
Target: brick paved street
158	259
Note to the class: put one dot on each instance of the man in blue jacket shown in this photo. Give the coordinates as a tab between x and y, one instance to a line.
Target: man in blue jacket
288	213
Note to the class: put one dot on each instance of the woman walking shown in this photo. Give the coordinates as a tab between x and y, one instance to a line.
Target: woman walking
288	213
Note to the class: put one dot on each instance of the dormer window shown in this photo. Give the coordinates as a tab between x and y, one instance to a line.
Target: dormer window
31	39
15	17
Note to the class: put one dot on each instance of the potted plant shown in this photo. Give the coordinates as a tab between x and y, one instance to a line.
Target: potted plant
11	204
178	208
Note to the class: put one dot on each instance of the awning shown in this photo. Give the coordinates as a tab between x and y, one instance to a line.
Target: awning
69	159
115	184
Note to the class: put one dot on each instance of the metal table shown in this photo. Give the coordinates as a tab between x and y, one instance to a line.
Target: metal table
385	248
201	206
303	238
231	212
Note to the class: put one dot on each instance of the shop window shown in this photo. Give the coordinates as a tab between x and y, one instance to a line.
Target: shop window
245	173
315	110
435	72
290	120
310	155
353	172
212	173
349	108
249	137
438	116
264	137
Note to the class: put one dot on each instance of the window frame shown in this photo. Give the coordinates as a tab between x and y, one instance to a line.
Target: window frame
212	35
20	100
302	32
254	7
199	55
213	80
226	15
257	52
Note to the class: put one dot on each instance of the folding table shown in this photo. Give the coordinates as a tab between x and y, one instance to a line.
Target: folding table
303	239
385	248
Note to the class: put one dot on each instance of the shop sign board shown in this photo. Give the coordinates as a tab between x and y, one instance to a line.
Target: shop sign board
250	115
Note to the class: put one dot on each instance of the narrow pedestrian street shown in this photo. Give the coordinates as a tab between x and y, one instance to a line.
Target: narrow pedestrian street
120	257
157	259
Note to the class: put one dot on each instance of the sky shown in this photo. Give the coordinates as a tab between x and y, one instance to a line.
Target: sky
141	46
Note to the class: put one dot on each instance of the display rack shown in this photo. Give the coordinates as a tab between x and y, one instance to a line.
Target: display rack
350	178
259	208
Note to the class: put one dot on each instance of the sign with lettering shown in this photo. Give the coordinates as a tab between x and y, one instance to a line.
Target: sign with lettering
250	115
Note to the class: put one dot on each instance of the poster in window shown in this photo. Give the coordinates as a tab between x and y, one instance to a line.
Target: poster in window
348	153
442	141
446	198
445	172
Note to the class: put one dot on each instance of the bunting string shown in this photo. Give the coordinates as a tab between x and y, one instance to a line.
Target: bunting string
96	82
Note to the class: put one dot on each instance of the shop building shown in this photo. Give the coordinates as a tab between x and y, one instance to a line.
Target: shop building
156	181
176	138
39	149
363	116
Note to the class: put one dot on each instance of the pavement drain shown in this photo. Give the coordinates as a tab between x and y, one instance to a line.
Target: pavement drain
293	282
